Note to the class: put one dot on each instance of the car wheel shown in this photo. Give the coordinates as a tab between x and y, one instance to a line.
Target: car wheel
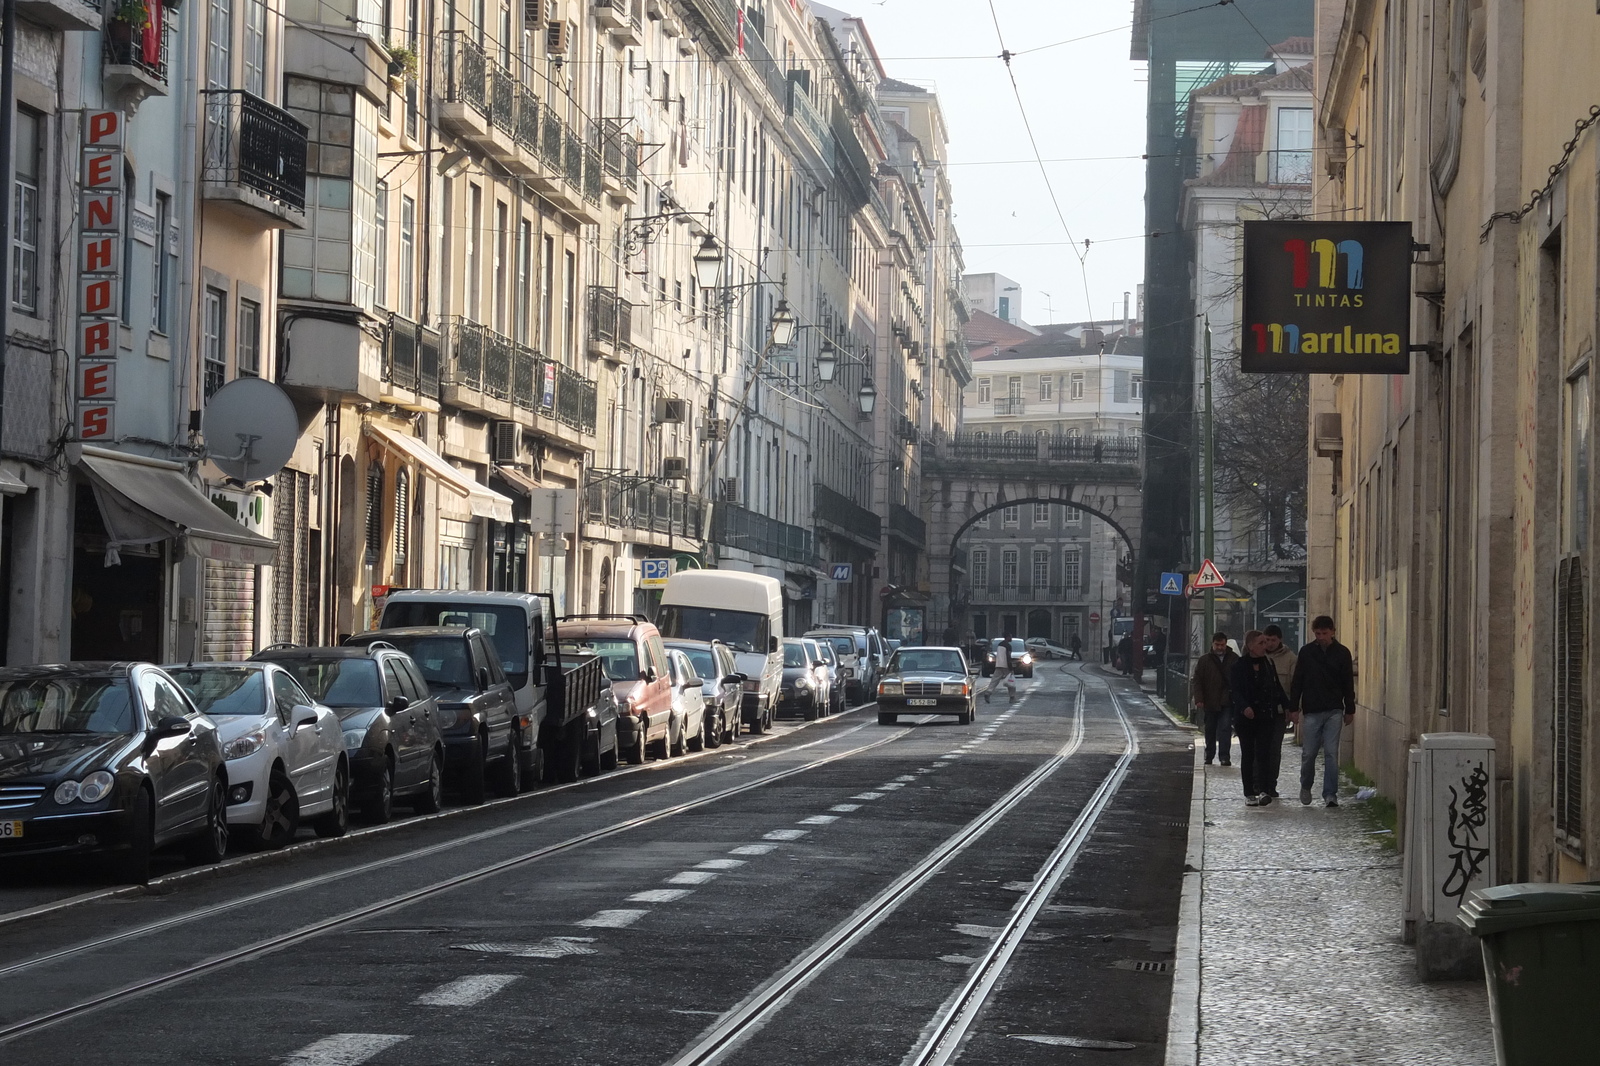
508	772
965	717
673	745
337	820
211	844
281	820
713	732
431	799
696	741
608	758
636	749
888	719
377	807
134	864
474	783
755	726
569	758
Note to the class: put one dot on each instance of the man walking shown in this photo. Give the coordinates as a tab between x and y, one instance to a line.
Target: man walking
1258	704
1283	658
1002	670
1125	654
1323	698
1209	690
1075	645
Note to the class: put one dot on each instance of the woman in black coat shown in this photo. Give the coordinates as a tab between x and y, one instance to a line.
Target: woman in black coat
1259	707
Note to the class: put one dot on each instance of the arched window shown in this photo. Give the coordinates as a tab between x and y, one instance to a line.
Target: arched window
374	512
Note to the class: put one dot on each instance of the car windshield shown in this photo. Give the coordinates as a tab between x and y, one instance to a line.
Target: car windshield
224	691
506	628
843	645
794	654
927	660
619	657
701	659
740	630
67	705
442	660
339	682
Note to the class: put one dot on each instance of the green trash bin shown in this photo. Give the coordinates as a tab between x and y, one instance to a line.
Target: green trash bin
1541	956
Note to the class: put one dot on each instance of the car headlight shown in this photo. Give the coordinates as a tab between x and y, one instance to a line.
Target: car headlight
953	688
91	789
801	682
1027	660
847	671
354	738
241	746
889	688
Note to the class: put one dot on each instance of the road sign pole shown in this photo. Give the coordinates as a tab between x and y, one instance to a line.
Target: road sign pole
1209	486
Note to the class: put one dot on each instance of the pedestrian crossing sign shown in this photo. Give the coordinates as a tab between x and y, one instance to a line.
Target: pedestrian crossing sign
1171	584
1209	576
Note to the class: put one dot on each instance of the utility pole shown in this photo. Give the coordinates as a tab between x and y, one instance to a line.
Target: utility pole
1208	485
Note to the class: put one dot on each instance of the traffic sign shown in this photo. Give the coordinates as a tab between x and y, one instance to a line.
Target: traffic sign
653	572
841	571
1171	584
1094	616
1209	576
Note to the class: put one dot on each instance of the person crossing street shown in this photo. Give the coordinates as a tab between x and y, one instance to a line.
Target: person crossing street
1002	671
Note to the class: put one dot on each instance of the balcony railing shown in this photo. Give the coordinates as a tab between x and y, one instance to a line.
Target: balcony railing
738	527
252	144
907	525
1289	168
1060	448
572	157
503	90
772	73
126	46
1010	405
495	365
810	121
411	357
592	183
610	317
1096	449
619	153
842	511
649	506
529	115
551	140
576	399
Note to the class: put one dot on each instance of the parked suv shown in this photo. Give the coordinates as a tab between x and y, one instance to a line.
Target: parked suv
390	721
635	663
478	710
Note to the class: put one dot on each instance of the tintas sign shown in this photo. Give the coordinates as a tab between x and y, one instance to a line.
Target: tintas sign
1327	298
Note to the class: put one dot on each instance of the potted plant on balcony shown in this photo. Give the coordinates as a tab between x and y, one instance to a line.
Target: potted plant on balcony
129	19
402	65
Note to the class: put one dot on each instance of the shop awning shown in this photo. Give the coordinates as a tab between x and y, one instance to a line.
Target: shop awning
518	481
482	501
11	485
144	501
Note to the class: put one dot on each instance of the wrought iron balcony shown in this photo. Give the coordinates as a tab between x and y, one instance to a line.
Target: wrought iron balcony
463	85
61	14
643	505
836	508
610	319
576	400
255	156
907	525
135	62
619	153
411	358
739	527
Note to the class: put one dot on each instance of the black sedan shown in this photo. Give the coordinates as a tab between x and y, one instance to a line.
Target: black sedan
800	693
926	681
107	759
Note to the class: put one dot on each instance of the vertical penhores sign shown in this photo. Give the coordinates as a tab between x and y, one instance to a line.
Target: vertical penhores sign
1327	298
100	240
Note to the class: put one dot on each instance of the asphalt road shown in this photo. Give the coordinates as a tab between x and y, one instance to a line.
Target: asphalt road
844	893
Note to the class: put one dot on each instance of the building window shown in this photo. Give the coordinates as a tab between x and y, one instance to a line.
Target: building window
1072	568
1047	386
374	525
334	258
1041	514
408	256
1003	309
213	327
524	278
1291	164
1074	516
219	45
161	269
255	47
1071	626
985	390
472	239
1014	387
1008	568
249	330
380	233
980	569
547	296
1041	568
1075	385
1011	515
502	264
1136	387
983	522
569	309
25	220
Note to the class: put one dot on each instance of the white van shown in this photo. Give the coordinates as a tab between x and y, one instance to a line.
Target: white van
745	612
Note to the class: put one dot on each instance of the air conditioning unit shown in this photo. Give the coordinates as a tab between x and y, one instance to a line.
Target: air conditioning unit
674	468
671	410
505	440
1329	435
556	36
728	489
716	429
535	12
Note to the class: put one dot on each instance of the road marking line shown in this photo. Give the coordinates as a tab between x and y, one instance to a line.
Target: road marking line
952	755
660	895
719	864
343	1049
613	919
466	991
785	834
867	796
819	819
754	849
692	877
551	947
892	785
905	777
845	808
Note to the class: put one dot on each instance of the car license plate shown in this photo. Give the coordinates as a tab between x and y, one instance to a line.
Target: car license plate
922	703
10	829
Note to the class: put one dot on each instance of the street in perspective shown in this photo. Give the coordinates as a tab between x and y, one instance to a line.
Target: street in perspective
689	532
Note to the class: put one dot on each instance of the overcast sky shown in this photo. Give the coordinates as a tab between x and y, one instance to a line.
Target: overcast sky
1083	99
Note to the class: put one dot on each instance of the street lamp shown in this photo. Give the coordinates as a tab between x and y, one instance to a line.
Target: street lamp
784	326
867	396
708	263
827	362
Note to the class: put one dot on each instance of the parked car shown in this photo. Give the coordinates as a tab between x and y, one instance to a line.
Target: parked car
721	686
745	612
837	704
862	654
926	681
107	759
601	748
800	693
391	723
285	751
635	664
1042	648
823	674
1021	658
688	702
479	712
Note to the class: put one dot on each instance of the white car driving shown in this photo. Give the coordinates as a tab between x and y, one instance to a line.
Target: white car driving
285	752
688	703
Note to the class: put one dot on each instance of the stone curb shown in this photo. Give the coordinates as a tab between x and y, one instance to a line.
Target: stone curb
1183	1019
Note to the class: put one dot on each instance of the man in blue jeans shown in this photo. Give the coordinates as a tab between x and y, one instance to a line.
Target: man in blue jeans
1323	699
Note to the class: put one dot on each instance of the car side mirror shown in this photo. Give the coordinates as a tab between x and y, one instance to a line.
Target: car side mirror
304	716
648	674
483	679
772	644
819	663
398	705
693	682
734	679
170	725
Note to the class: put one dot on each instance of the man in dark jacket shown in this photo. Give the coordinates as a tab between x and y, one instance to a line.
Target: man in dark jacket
1258	705
1323	699
1209	690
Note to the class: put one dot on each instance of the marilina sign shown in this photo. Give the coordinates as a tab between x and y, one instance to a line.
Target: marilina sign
1327	298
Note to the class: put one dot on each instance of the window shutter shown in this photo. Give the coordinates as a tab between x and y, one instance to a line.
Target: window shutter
1571	639
1120	386
374	513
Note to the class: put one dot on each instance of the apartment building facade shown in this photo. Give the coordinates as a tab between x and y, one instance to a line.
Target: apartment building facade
554	289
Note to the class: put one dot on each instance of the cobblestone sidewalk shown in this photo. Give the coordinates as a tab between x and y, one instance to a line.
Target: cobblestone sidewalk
1300	956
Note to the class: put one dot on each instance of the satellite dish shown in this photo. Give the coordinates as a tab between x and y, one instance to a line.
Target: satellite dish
250	429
